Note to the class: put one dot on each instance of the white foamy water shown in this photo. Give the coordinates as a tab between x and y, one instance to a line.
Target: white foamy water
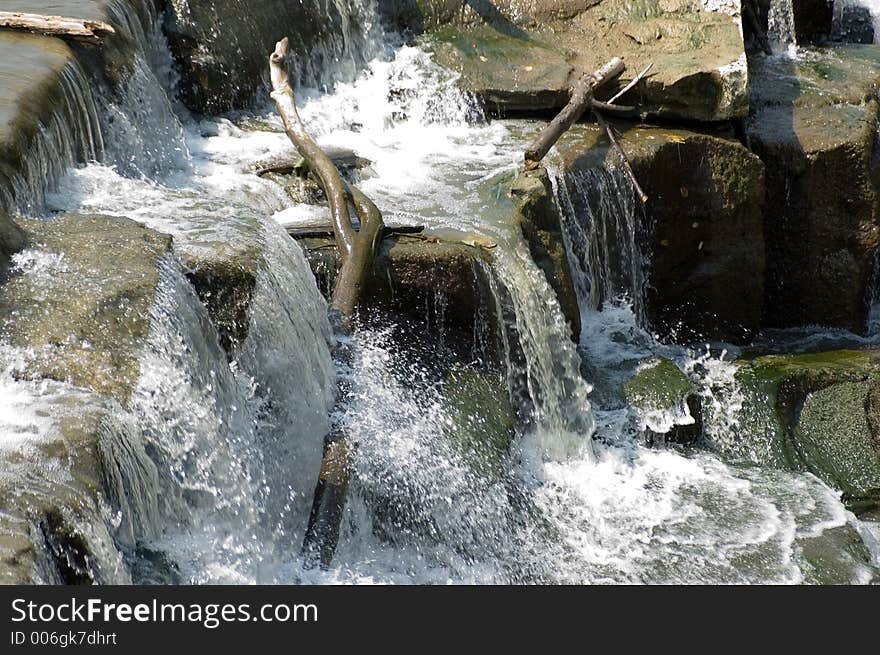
236	447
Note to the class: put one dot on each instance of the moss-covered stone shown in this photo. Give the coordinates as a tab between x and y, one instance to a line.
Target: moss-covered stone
81	302
660	392
541	225
524	55
658	385
816	412
815	128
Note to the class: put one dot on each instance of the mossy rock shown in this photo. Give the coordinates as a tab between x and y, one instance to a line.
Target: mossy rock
658	384
523	55
835	440
701	229
86	318
814	126
660	389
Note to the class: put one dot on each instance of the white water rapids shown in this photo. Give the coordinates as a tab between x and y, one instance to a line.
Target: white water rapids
237	446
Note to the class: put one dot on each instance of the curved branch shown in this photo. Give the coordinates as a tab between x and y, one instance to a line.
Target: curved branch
331	180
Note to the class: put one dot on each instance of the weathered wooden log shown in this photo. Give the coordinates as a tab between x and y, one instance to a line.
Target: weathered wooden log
91	31
581	98
357	249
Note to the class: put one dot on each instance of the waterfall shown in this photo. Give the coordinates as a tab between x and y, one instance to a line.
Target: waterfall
780	22
72	134
603	225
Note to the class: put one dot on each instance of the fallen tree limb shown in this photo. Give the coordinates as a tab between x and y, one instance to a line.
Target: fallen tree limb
623	158
581	98
357	248
91	31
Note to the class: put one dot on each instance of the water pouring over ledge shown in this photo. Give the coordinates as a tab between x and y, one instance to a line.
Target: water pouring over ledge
422	511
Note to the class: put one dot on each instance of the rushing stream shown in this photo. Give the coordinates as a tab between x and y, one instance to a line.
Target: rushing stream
577	498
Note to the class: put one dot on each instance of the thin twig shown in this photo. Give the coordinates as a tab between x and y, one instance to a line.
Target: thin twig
629	86
601	120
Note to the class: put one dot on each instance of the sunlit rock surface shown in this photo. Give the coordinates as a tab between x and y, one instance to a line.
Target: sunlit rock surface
523	56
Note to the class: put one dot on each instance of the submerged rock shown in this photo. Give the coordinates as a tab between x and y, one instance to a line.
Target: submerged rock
701	232
523	56
815	128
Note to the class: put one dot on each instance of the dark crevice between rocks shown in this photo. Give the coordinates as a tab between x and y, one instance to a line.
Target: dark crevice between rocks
68	550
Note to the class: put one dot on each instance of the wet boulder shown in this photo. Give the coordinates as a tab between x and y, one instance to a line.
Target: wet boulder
524	56
700	234
818	412
12	239
80	301
222	46
442	282
666	402
815	127
75	318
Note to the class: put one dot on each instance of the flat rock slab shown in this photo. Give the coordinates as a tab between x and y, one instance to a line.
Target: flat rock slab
526	64
79	300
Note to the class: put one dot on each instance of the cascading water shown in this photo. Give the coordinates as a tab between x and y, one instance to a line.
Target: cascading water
603	242
218	478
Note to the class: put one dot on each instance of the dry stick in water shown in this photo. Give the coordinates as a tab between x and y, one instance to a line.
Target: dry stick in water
581	99
91	31
610	132
356	249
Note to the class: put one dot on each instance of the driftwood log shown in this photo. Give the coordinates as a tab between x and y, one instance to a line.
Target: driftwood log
357	248
581	100
90	31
